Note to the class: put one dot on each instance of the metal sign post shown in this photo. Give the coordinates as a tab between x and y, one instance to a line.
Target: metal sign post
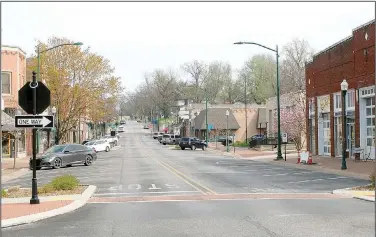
34	98
284	140
34	186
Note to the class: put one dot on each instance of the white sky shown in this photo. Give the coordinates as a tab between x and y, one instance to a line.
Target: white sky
140	37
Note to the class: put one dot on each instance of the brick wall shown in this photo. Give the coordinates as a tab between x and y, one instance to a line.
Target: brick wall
352	59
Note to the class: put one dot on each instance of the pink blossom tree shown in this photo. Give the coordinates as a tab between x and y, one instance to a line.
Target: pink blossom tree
293	121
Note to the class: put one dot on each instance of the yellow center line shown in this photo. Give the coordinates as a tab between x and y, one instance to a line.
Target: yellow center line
185	178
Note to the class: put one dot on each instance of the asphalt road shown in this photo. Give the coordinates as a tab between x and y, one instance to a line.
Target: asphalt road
141	167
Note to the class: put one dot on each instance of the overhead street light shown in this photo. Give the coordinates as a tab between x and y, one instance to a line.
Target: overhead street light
279	153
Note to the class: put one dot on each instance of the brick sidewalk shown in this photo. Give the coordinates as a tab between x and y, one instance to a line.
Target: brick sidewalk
9	211
330	164
8	171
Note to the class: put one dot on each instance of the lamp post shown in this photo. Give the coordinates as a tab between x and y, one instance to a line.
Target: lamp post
344	87
206	117
227	114
54	110
279	153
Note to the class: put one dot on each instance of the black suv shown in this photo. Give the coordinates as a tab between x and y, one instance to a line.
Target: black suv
192	142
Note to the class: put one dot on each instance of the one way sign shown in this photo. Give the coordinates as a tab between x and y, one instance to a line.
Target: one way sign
30	121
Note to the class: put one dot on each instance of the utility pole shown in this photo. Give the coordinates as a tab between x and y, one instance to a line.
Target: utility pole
245	109
206	117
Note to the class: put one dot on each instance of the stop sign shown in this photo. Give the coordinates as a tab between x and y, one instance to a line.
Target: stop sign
25	98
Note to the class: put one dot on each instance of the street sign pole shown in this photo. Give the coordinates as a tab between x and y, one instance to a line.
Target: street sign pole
34	186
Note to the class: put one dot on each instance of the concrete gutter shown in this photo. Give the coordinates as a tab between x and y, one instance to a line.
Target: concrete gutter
79	201
362	195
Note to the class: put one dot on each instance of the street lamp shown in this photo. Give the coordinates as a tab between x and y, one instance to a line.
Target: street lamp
279	153
54	110
34	197
227	114
344	87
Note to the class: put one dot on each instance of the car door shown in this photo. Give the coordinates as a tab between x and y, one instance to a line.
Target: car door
80	153
100	145
70	155
197	142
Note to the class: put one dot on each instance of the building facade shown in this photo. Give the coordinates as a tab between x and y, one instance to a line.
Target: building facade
13	77
353	59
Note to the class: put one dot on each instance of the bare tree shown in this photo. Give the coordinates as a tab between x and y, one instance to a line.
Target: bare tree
197	71
296	53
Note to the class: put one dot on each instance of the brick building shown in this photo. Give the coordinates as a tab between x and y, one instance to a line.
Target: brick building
353	59
13	77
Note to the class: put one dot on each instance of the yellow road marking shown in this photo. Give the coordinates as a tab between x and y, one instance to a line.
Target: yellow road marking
185	178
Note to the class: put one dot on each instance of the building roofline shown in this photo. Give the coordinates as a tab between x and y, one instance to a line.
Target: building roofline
332	46
365	24
341	41
13	47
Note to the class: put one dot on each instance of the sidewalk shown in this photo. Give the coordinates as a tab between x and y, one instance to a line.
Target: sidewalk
17	211
13	210
357	169
9	172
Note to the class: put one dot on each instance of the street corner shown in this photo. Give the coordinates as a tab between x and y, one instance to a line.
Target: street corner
367	195
18	211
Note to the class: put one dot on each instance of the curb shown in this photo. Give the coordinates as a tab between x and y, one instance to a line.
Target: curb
349	193
85	196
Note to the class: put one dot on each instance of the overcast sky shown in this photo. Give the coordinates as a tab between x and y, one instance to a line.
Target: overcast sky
140	37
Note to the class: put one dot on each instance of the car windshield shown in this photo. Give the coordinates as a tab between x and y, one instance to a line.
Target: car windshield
166	136
55	149
185	139
90	143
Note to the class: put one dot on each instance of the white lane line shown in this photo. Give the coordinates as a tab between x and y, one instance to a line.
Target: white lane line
287	215
304	172
275	174
111	194
312	180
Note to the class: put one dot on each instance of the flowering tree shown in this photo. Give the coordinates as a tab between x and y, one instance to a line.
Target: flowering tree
293	120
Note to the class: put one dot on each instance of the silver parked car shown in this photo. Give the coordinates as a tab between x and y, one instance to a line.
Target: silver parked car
65	155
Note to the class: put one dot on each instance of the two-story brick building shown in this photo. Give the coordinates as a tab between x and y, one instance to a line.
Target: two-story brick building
13	77
353	59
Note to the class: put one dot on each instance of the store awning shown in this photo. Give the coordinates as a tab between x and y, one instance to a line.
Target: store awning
7	123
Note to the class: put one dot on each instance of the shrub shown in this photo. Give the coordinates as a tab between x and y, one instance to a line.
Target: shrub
4	193
65	182
240	144
372	178
48	188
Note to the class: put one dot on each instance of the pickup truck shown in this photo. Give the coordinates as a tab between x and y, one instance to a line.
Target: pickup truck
112	139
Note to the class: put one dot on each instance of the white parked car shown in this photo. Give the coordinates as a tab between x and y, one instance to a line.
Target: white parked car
113	139
99	145
121	129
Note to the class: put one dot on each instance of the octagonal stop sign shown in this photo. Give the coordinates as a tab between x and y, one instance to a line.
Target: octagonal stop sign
25	98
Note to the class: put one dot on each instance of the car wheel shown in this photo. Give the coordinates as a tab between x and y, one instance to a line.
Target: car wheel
107	149
193	147
88	160
39	168
183	148
115	143
164	143
57	163
203	148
